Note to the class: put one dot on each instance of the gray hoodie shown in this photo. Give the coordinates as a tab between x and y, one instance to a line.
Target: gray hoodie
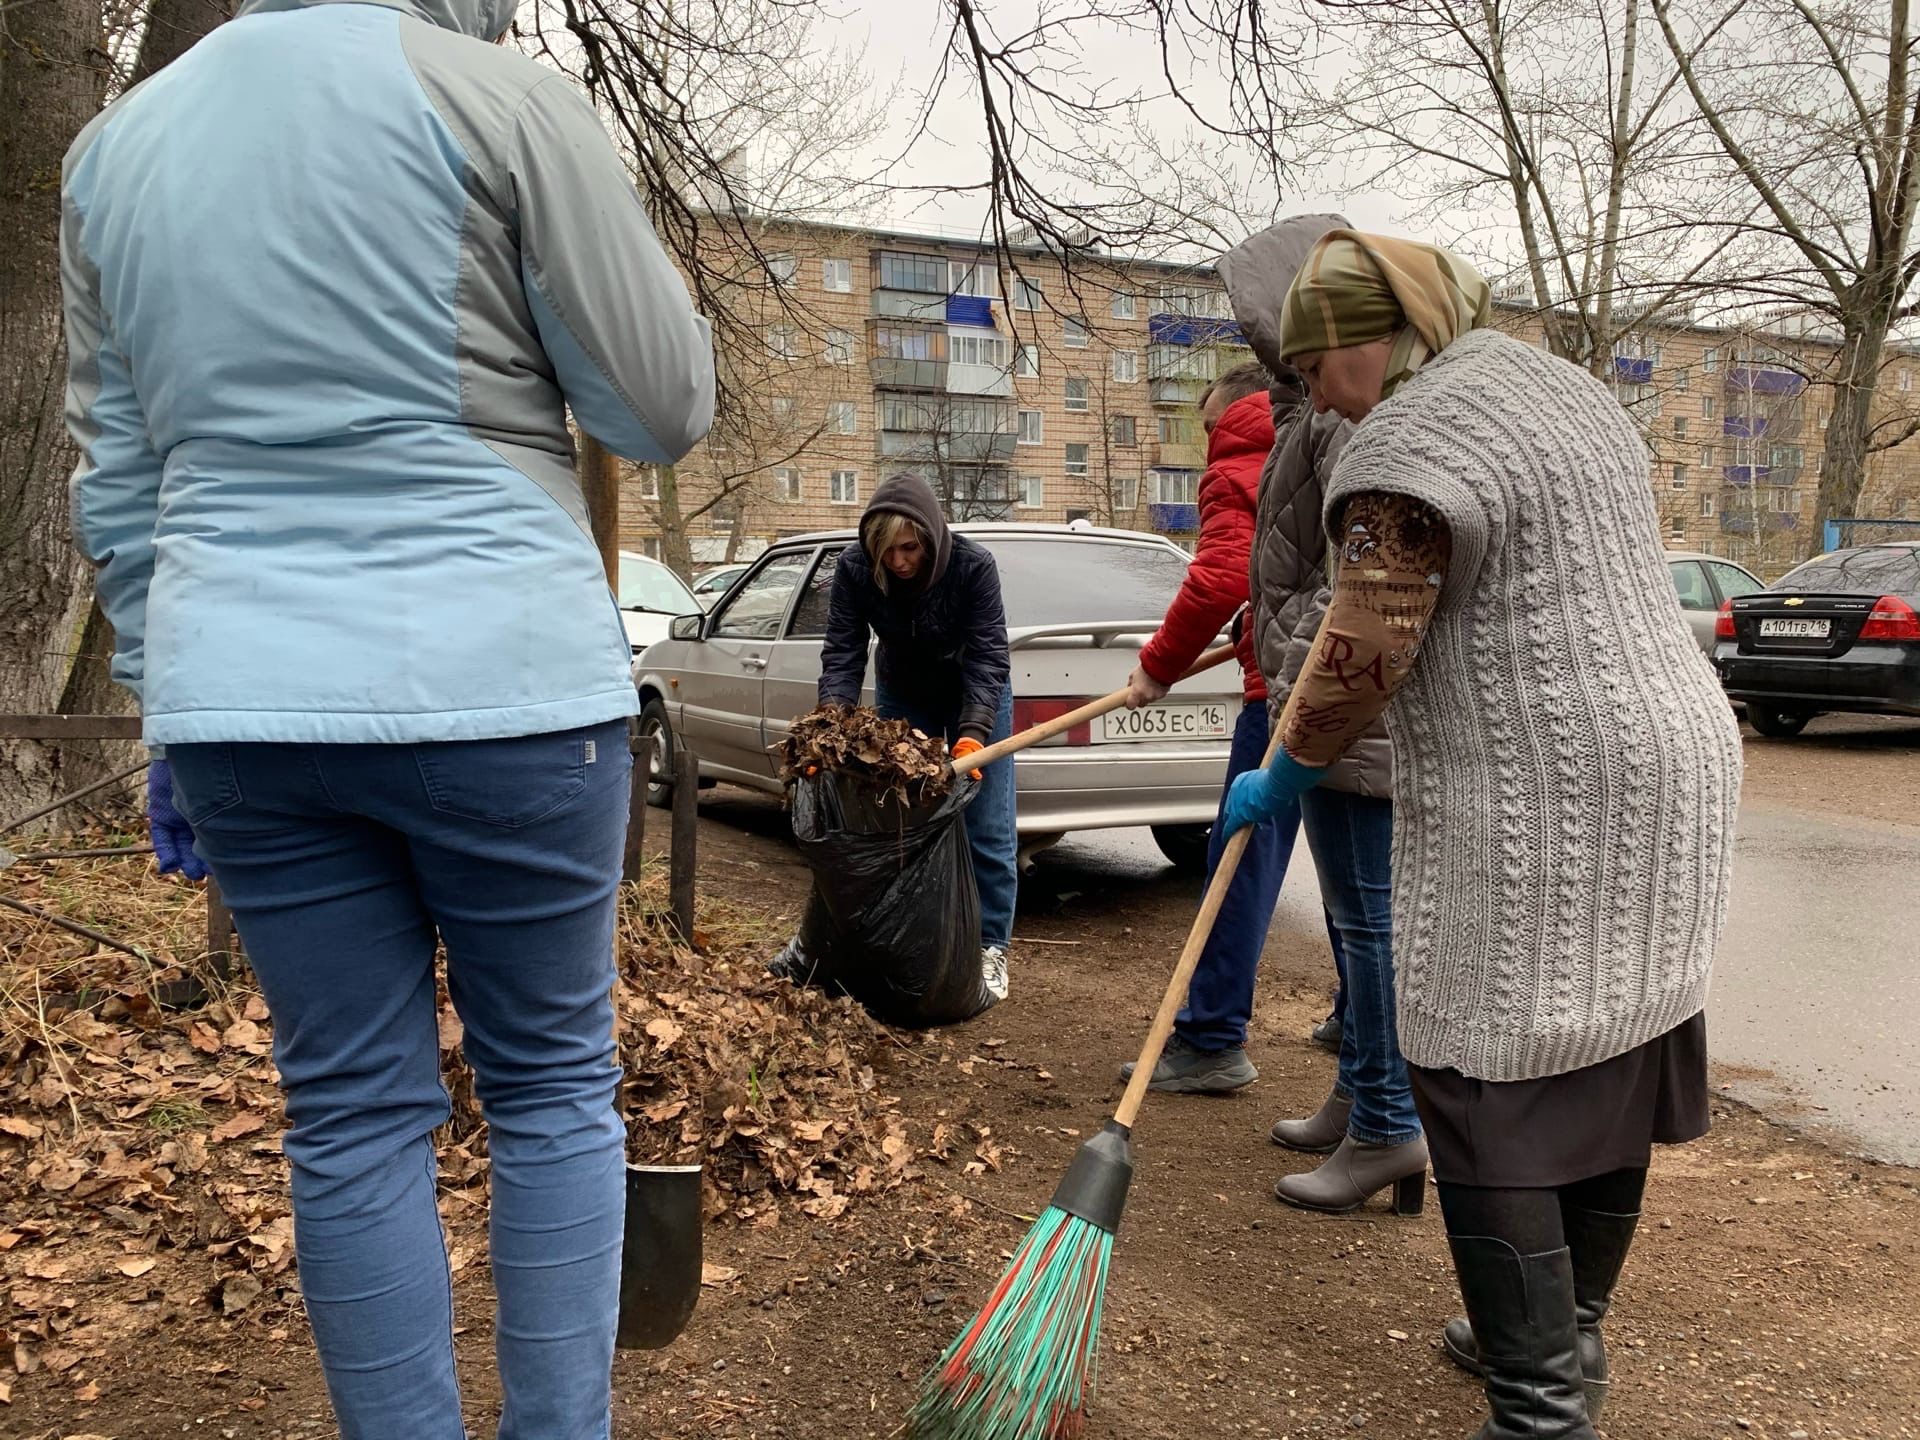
1288	571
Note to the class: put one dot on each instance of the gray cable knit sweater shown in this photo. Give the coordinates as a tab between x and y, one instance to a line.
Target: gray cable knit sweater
1566	765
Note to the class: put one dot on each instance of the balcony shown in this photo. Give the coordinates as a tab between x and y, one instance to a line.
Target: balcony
889	373
979	379
906	305
1178	455
1756	380
1632	370
1775	522
1176	390
1193	330
1173	519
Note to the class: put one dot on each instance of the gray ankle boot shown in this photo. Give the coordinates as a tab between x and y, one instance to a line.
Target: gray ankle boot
1522	1311
1599	1241
1356	1171
1320	1132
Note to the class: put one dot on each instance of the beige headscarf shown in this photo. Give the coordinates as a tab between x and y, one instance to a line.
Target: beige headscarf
1356	288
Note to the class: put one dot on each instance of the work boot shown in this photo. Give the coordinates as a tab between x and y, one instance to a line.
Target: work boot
993	971
1599	1242
1522	1309
1329	1032
1320	1132
1355	1171
1186	1069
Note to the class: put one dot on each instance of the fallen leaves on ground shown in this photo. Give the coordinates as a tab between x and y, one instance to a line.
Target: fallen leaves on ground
884	756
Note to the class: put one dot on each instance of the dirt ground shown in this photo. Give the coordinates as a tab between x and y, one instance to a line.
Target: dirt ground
1771	1293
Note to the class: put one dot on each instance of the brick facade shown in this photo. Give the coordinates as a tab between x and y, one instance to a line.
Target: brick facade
1023	393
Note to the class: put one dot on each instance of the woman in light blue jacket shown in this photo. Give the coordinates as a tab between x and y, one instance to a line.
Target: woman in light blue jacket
332	280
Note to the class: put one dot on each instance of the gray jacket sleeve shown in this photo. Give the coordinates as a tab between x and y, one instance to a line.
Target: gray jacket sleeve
633	359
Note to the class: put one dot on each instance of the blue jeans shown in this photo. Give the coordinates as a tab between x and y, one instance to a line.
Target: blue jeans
1352	841
343	865
1220	998
991	836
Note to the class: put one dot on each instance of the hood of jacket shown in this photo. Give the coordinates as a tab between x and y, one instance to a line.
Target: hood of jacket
913	497
1244	430
1259	271
482	19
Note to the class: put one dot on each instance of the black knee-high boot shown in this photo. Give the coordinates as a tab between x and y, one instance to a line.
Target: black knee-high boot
1522	1312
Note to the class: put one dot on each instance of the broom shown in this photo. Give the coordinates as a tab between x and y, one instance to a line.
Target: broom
1025	1368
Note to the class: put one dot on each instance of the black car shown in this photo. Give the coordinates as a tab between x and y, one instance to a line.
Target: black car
1842	632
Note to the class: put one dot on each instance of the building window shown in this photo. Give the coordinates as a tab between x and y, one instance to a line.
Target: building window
783	341
1710	361
1176	487
966	347
977	278
1076	459
786	482
1123	431
1182	362
925	274
839	347
1033	427
846	488
1126	366
649	483
1033	492
905	414
1075	395
1026	293
842	418
1122	308
837	276
1026	364
1126	494
1074	333
1787	499
1680	425
1706	457
1706	407
1679	477
909	342
1906	380
781	269
1706	506
783	407
1683	380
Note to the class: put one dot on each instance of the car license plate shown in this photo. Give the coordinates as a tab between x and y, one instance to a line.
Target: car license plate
1795	629
1181	720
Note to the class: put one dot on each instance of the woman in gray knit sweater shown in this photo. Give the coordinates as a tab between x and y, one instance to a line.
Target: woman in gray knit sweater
1565	775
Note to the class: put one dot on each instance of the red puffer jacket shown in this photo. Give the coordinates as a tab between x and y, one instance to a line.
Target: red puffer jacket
1216	583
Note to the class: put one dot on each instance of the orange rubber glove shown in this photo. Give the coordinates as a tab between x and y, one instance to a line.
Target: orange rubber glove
966	745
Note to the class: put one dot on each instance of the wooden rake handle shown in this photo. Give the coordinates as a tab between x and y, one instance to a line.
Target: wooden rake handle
1189	959
1093	709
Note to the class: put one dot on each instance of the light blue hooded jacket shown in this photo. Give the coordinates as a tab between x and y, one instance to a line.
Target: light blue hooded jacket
332	278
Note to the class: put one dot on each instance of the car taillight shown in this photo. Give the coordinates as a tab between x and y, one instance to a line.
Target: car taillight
1029	713
1892	619
1723	626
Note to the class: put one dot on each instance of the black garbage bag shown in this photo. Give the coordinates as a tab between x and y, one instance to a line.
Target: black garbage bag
894	917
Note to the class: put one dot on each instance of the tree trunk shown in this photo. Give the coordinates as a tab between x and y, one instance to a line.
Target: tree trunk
676	551
1843	457
175	27
52	81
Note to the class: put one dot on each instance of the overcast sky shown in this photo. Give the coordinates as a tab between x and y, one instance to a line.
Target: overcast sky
902	41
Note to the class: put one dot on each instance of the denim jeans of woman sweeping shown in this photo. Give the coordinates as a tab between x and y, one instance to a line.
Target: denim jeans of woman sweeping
991	836
1351	837
344	865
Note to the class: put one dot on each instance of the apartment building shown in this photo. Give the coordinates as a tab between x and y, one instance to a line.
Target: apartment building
1024	392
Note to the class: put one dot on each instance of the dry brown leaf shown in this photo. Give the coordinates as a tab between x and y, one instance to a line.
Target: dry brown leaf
134	1266
240	1034
203	1037
236	1293
88	1393
663	1030
711	1274
245	1123
20	1126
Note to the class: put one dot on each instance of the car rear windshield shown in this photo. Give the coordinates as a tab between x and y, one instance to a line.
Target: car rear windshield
1891	571
1062	582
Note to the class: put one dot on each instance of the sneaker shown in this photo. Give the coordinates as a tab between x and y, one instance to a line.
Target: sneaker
1329	1032
1186	1069
993	971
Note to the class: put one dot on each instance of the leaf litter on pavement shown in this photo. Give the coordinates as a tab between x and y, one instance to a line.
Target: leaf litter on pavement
141	1172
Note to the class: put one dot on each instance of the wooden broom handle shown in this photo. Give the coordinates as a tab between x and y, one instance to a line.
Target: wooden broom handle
1093	709
1176	995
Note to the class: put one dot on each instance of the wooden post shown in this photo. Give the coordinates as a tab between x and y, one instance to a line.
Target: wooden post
641	746
600	487
220	931
686	817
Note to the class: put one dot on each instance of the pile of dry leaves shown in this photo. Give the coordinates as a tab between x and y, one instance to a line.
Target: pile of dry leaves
140	1161
887	756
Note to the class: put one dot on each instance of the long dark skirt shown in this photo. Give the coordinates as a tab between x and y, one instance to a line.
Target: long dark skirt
1526	1134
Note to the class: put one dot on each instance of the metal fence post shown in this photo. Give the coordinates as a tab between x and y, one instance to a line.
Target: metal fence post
686	818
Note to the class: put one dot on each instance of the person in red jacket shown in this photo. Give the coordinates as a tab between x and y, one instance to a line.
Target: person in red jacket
1207	1052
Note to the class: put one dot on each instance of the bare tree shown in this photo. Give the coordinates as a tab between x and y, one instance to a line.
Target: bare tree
1811	105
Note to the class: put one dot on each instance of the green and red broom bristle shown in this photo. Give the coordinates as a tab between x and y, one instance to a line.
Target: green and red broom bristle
1025	1368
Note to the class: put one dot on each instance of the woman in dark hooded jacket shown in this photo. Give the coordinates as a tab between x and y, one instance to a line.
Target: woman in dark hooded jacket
931	599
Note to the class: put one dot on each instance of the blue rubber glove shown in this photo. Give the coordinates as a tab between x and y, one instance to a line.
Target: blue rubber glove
172	835
1258	795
